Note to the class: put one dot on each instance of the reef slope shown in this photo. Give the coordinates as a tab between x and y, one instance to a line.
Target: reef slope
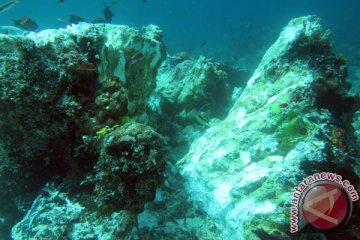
291	120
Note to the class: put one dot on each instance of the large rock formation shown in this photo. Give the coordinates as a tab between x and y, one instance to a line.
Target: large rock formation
192	94
292	119
61	93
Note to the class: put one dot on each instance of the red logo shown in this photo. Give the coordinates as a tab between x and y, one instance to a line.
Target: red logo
325	206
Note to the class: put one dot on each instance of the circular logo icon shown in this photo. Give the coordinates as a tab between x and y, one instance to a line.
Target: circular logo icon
325	206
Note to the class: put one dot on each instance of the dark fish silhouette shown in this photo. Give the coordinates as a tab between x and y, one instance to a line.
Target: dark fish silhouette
26	23
76	19
108	14
60	2
73	19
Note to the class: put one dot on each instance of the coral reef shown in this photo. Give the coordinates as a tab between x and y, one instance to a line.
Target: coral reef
192	94
290	121
96	129
41	107
54	216
90	84
185	85
129	168
62	92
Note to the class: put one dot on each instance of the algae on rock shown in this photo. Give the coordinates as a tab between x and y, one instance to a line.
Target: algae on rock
58	90
192	94
185	84
129	168
54	216
242	171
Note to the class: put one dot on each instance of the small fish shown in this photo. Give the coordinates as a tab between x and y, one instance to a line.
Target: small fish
202	118
76	19
26	23
86	67
60	2
135	58
203	43
6	6
108	14
73	19
64	21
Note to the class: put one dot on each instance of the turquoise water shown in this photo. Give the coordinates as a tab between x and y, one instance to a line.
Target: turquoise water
229	29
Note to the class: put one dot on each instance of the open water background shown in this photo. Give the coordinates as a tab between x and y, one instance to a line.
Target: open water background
234	31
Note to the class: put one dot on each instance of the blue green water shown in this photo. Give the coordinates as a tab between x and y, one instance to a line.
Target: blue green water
237	31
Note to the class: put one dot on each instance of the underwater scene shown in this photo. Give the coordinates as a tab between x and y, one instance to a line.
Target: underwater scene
179	120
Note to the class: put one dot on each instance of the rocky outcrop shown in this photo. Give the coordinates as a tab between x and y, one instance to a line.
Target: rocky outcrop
54	216
291	120
191	95
129	168
185	85
61	92
126	176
